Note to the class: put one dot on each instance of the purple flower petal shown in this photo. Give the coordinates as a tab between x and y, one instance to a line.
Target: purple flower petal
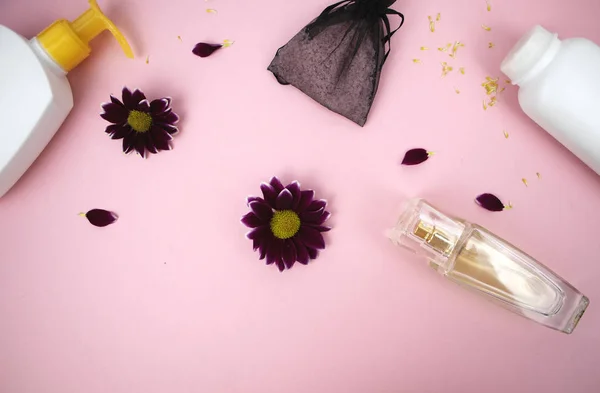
284	200
269	193
312	253
280	264
294	188
128	142
324	217
288	253
311	237
127	98
169	117
140	145
159	106
274	251
415	157
160	138
316	205
114	113
254	199
252	221
306	197
143	106
171	130
264	246
276	184
115	100
121	131
301	252
256	243
111	129
311	216
150	145
203	49
320	228
136	97
258	233
490	202
262	210
100	217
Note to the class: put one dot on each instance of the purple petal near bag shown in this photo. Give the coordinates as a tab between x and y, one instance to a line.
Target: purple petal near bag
338	57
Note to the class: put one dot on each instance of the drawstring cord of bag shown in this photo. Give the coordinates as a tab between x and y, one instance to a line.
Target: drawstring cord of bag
367	7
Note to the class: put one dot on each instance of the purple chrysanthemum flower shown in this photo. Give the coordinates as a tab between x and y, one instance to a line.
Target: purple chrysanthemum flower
287	224
143	125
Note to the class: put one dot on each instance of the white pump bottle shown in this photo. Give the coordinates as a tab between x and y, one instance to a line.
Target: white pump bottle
35	95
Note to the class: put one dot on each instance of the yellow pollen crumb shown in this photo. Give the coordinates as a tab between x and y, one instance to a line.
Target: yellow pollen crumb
456	90
424	48
227	43
489	5
416	61
491	45
179	38
446	68
438	17
462	70
525	182
486	28
484	105
539	176
211	11
148	59
506	134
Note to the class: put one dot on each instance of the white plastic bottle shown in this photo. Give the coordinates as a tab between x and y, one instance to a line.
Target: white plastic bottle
560	89
35	95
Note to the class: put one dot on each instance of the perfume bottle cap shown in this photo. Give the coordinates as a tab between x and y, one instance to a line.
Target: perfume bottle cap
428	232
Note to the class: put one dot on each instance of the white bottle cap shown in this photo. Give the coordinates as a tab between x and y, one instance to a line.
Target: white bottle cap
527	53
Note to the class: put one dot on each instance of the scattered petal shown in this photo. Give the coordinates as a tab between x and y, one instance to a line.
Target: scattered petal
491	202
525	182
100	217
203	49
486	28
416	156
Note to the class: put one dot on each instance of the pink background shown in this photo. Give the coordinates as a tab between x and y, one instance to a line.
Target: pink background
171	298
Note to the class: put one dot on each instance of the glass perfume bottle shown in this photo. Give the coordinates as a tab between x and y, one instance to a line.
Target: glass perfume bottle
477	259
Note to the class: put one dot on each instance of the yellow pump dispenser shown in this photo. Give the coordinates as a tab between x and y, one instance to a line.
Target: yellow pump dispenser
67	43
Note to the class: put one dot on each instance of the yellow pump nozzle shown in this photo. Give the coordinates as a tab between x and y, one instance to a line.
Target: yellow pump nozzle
68	42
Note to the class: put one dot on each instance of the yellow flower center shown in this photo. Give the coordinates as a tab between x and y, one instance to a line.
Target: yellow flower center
139	121
285	224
